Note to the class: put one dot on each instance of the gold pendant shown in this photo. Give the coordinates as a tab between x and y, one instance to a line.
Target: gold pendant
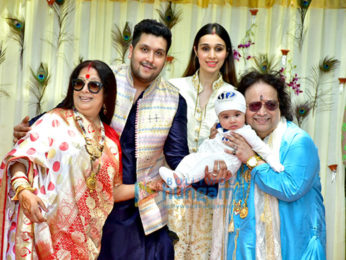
91	181
231	227
93	151
237	206
243	212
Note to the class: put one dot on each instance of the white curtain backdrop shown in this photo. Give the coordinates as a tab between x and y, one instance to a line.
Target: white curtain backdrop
86	32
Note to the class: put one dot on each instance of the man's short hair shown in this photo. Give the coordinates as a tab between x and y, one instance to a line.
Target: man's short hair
154	27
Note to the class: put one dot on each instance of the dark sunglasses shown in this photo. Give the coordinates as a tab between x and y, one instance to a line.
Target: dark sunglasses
93	86
271	105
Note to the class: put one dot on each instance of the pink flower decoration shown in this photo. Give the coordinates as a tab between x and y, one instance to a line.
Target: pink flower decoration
294	85
245	45
236	55
298	91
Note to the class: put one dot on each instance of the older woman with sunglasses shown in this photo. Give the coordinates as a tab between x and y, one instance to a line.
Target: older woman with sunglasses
59	182
285	216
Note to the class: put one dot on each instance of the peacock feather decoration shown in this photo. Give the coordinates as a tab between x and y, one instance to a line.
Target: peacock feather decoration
121	40
170	16
2	59
328	64
38	84
63	10
303	7
2	53
3	93
302	110
17	28
264	64
318	90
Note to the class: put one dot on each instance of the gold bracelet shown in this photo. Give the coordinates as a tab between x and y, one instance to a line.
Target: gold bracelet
144	187
20	189
141	186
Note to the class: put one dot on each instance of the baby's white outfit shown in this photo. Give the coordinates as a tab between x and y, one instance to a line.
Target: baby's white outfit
191	168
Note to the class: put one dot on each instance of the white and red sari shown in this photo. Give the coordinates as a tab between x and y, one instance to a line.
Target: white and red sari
58	166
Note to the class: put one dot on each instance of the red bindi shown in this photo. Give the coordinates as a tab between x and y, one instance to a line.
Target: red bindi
88	75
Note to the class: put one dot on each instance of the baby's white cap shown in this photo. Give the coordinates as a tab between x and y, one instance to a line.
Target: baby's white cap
229	99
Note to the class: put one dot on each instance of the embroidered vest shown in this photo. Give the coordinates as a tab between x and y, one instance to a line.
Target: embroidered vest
155	113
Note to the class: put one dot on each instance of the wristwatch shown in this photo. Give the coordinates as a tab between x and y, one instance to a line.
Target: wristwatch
253	161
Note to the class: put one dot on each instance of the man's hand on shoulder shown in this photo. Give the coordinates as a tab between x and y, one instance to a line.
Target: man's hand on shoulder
21	129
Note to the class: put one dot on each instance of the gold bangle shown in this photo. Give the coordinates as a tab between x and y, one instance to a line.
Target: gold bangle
20	189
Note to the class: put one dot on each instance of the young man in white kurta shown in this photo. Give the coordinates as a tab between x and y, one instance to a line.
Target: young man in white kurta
191	168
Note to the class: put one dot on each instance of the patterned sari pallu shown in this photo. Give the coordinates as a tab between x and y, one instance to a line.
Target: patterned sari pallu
58	167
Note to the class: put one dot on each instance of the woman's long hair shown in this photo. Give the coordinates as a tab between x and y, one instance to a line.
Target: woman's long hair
228	68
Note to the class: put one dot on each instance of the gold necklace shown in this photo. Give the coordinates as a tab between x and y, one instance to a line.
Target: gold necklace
246	178
240	207
93	148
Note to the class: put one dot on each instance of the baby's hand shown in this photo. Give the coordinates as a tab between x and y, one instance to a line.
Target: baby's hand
213	131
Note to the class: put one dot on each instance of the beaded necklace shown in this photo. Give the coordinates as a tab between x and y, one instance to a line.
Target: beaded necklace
93	148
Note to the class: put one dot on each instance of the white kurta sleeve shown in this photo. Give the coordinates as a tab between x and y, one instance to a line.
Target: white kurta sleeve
260	147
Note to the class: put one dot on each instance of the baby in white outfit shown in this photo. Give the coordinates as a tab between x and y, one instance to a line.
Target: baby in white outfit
230	107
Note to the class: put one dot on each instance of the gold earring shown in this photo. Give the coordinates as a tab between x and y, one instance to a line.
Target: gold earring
104	109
